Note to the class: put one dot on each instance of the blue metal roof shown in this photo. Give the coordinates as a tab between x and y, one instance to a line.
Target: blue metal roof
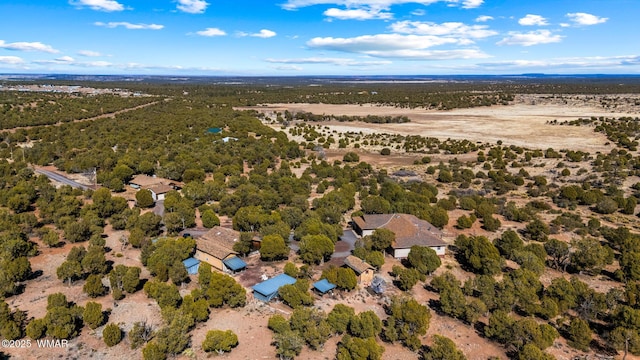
235	263
272	285
191	262
324	285
192	265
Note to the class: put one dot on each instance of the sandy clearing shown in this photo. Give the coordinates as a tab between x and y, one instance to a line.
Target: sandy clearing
519	124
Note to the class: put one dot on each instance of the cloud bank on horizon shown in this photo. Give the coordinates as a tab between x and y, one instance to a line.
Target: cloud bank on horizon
324	37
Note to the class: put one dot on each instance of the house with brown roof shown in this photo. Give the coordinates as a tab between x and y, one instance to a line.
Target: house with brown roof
215	247
159	191
409	231
159	187
363	270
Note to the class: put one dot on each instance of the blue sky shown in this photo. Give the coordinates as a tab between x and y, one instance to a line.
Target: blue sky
319	37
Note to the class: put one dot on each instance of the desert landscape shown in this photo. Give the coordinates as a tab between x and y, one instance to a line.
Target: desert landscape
320	179
539	191
524	122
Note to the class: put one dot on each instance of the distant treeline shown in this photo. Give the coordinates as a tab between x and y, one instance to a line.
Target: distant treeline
624	131
375	119
19	108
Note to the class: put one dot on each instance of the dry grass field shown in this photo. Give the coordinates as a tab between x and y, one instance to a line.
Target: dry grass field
522	123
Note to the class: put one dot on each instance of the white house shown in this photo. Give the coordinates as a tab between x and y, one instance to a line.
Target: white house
159	191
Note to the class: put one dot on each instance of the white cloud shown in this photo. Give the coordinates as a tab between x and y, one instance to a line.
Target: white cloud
130	26
265	34
472	4
455	29
288	68
418	12
27	46
570	62
99	5
192	6
63	60
333	61
564	25
211	32
358	14
586	19
377	4
96	64
396	46
89	53
11	60
412	54
530	38
484	18
531	20
380	42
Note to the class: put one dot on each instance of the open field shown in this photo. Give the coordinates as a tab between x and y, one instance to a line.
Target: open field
522	125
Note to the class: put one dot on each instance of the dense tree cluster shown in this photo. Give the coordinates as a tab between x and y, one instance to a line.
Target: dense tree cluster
164	258
406	322
20	108
62	321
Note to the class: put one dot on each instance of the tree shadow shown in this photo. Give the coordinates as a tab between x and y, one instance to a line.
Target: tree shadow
35	274
602	348
480	327
141	284
436	306
109	264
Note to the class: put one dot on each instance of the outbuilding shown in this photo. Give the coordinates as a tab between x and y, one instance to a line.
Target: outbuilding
192	265
268	289
363	269
323	286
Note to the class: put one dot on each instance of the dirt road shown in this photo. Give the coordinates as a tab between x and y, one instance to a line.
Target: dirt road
108	115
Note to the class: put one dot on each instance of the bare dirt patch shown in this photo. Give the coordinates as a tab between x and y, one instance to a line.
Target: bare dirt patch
524	123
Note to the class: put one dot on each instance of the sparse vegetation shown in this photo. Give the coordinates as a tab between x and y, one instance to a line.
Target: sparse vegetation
534	229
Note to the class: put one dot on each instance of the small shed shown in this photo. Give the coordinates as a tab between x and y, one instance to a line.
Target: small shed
323	286
234	263
267	290
192	265
363	270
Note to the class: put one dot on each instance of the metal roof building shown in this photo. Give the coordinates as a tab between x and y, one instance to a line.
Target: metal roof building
268	289
324	286
234	263
192	265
